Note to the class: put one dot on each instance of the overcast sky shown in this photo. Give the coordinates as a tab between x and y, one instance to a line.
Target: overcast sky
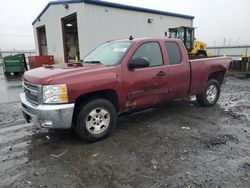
217	21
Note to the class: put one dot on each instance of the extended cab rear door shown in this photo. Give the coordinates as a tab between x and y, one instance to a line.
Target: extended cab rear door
178	69
146	86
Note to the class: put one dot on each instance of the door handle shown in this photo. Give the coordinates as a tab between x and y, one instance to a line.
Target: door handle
161	73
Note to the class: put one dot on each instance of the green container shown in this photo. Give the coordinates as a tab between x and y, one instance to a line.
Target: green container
14	64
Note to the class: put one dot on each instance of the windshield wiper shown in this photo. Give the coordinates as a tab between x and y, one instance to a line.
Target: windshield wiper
94	62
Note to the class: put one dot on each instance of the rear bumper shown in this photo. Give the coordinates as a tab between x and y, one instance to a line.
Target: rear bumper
49	116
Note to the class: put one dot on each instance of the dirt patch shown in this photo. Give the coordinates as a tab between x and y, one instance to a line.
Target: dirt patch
210	141
236	99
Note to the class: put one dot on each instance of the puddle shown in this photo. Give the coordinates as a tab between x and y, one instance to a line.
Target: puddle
236	103
14	86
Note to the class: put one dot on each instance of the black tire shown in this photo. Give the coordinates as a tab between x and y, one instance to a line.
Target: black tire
93	106
6	74
201	54
206	99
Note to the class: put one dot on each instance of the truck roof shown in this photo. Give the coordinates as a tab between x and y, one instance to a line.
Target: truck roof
148	39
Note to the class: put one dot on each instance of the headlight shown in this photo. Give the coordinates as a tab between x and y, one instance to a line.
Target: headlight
53	94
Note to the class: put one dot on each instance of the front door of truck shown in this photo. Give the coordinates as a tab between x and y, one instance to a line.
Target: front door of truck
147	86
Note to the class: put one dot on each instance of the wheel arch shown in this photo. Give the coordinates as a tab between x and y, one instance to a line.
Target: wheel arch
108	94
218	75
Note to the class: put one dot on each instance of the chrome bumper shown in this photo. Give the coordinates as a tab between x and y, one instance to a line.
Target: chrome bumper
49	116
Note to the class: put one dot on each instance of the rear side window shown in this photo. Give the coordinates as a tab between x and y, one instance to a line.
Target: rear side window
152	51
174	53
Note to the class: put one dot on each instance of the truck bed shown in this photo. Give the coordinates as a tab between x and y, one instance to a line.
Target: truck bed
205	66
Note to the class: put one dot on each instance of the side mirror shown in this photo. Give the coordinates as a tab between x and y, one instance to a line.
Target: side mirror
140	62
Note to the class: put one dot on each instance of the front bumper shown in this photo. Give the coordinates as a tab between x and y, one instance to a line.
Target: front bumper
49	116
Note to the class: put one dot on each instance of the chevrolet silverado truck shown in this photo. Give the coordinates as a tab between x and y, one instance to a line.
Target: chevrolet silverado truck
116	77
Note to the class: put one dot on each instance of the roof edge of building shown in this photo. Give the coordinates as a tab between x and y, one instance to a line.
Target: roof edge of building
112	5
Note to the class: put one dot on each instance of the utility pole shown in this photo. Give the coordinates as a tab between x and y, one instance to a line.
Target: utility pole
0	52
1	57
224	41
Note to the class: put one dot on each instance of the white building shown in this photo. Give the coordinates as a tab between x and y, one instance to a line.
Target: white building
71	28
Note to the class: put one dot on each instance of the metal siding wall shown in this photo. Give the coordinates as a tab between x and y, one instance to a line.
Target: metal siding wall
97	24
104	23
36	40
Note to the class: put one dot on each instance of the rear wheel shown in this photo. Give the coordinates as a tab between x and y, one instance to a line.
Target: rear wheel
96	120
211	95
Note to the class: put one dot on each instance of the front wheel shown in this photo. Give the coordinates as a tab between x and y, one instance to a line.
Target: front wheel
96	120
211	95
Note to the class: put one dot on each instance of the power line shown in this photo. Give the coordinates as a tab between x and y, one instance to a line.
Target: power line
15	35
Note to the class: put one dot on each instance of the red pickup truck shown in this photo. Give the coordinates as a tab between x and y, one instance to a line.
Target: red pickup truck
115	77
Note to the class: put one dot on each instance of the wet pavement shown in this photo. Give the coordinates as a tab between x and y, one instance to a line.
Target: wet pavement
174	145
9	88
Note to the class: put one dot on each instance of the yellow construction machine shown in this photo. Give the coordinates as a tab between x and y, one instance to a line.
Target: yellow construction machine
195	48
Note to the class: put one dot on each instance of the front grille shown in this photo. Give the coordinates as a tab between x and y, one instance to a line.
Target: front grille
31	96
32	92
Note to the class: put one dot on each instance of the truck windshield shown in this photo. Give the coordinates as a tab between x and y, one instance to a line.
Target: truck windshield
109	53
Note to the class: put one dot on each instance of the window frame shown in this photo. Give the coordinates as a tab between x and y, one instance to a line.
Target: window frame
162	57
179	51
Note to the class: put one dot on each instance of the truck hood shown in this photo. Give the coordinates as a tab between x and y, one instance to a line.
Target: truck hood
44	75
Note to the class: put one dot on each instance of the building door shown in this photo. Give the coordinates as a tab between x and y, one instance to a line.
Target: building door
42	40
70	38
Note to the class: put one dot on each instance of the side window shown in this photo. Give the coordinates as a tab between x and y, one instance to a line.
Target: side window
174	53
152	51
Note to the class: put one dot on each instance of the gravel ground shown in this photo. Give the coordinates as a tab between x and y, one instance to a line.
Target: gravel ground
174	145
